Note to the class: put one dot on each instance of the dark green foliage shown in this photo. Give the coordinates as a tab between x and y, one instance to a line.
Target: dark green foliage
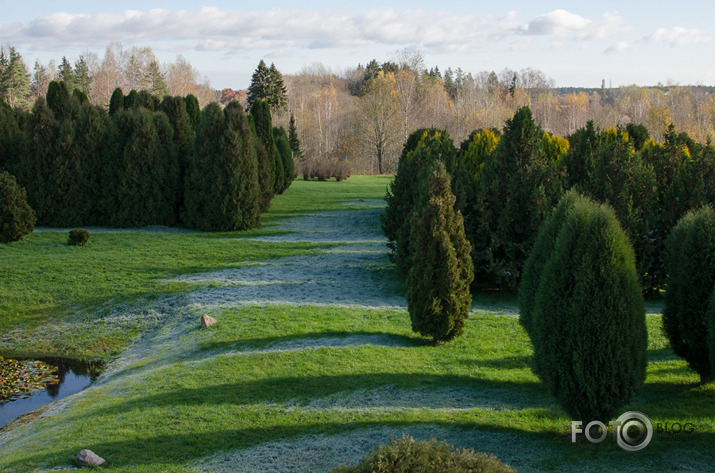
518	187
78	237
141	170
14	79
266	150
710	320
438	281
540	254
10	138
17	218
81	97
588	325
402	196
193	109
131	100
90	130
411	456
690	263
57	97
293	138
267	84
34	172
286	155
693	183
222	191
116	102
175	110
638	135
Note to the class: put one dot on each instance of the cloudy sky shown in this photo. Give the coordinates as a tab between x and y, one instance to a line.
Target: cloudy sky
575	43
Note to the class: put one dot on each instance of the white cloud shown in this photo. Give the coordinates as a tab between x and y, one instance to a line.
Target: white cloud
561	23
677	36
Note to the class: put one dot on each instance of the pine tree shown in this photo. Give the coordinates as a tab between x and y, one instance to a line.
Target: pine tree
14	79
438	282
82	81
156	80
65	73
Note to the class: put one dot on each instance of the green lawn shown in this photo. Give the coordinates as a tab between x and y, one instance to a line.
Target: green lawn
307	387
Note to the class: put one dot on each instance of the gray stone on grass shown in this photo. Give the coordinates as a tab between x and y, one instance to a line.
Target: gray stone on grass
89	458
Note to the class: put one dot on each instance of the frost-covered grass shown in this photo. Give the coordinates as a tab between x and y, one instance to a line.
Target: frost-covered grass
313	364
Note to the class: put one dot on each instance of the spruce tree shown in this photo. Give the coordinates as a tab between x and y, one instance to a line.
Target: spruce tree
14	79
691	267
588	327
438	282
260	87
277	96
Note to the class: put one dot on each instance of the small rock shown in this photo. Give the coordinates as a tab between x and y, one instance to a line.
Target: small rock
207	321
89	458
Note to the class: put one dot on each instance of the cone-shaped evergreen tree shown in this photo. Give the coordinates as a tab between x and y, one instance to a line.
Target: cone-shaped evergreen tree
267	152
588	327
286	154
260	84
293	138
193	109
175	110
438	282
116	102
710	321
691	266
57	97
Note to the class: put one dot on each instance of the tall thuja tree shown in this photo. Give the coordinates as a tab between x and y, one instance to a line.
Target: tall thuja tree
693	184
421	148
588	327
293	138
146	169
286	154
441	272
193	109
518	186
116	101
175	110
90	130
261	116
222	191
34	172
476	150
691	267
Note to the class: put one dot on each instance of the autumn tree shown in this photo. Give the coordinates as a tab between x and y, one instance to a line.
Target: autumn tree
379	108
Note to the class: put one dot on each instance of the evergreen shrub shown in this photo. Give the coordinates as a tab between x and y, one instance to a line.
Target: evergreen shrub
78	237
408	455
438	281
17	219
588	328
690	263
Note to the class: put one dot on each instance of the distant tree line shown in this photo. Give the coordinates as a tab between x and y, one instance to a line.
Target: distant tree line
146	160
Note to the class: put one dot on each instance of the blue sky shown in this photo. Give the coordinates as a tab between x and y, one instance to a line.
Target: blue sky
576	44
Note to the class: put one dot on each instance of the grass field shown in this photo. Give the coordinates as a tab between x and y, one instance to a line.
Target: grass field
312	363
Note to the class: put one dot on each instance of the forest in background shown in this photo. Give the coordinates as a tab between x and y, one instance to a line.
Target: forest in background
363	115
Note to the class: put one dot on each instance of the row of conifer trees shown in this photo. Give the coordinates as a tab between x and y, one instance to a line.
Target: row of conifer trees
145	161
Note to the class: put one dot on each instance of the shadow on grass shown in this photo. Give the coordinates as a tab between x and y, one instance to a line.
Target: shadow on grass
315	340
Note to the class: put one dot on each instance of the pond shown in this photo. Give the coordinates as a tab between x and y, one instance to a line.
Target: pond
73	376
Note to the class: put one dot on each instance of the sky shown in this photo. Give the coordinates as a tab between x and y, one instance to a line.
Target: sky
577	44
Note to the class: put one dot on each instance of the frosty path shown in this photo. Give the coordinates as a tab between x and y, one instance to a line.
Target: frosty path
354	272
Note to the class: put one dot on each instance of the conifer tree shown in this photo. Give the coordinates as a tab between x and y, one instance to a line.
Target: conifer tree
286	155
65	73
17	218
691	267
438	282
14	79
293	138
588	327
278	96
260	84
193	109
267	152
116	102
57	97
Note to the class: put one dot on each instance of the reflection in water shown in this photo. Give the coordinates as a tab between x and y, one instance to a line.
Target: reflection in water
73	375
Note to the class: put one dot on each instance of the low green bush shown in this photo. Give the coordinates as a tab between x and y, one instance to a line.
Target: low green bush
78	237
17	218
408	455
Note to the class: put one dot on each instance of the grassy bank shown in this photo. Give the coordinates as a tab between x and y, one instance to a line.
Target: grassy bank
293	386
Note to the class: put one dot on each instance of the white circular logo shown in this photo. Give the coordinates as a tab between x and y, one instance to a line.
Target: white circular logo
633	431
